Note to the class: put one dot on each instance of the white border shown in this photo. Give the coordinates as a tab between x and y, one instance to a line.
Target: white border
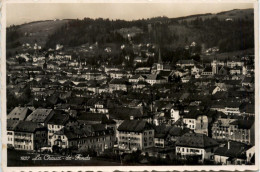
125	168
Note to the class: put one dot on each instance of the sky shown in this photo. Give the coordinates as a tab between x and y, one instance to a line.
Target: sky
19	13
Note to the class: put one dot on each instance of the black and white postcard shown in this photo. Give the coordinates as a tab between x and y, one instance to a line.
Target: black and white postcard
129	85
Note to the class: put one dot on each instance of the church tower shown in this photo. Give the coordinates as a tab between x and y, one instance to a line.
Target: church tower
160	63
214	67
80	67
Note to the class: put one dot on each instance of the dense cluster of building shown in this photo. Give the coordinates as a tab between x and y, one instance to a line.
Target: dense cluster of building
191	109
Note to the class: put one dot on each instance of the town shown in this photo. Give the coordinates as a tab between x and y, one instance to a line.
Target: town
141	110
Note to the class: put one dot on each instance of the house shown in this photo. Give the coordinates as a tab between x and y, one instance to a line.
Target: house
120	114
175	114
83	138
155	79
19	113
199	145
196	69
118	74
118	85
135	135
136	78
41	116
235	71
99	139
93	74
143	70
185	63
11	124
185	79
223	71
177	131
232	153
29	136
248	81
219	89
221	128
99	107
207	71
56	124
234	129
162	136
197	121
250	155
140	59
234	63
243	131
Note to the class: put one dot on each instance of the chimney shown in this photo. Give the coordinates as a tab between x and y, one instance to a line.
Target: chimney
228	145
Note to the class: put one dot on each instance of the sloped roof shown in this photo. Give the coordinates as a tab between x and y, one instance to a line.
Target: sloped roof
11	124
196	140
86	116
119	81
236	150
28	126
58	119
123	113
243	124
19	113
134	126
39	115
177	131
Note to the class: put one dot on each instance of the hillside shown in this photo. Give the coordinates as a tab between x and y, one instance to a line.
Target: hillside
245	14
34	32
230	31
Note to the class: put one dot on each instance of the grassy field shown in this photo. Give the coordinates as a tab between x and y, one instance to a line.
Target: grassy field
228	55
39	31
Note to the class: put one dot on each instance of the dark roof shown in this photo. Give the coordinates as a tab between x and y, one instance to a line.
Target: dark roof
178	131
28	126
243	124
11	124
248	80
119	81
59	119
196	140
235	150
86	116
208	69
134	126
193	114
39	115
124	113
77	100
19	113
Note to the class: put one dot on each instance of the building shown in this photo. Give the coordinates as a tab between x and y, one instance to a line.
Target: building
29	136
196	145
135	135
243	131
19	113
234	129
56	124
185	63
175	114
41	116
11	124
119	85
232	153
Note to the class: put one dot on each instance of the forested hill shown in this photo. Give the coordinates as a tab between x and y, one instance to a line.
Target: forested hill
230	31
